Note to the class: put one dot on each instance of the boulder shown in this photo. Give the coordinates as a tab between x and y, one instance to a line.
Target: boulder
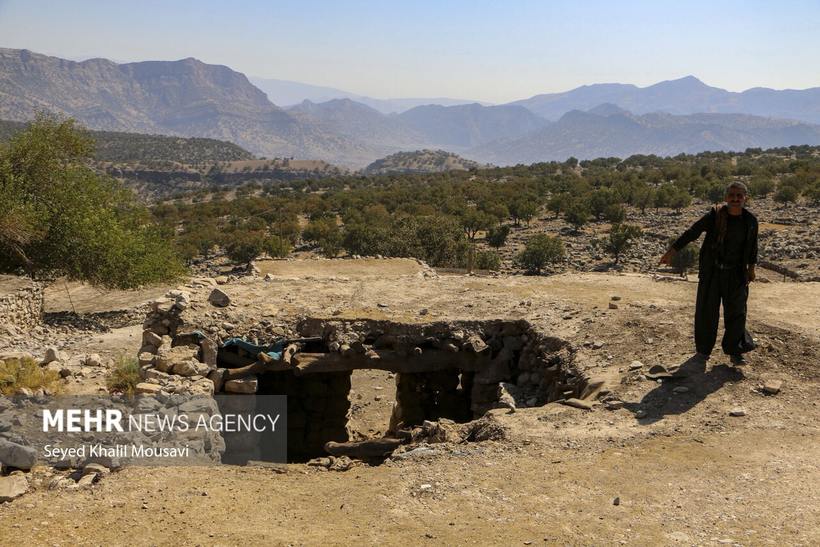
53	354
209	352
147	389
219	299
242	385
169	357
93	360
145	358
12	487
217	376
150	338
17	455
15	355
190	367
203	386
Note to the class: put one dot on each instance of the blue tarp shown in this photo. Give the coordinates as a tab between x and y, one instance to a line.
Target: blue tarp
274	350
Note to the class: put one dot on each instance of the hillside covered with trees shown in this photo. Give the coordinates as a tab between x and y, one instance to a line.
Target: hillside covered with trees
441	217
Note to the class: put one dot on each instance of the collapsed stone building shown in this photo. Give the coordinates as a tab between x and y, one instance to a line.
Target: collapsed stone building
453	370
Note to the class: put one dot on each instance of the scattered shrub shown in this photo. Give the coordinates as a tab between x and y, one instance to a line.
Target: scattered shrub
124	376
16	374
621	238
497	236
487	260
541	250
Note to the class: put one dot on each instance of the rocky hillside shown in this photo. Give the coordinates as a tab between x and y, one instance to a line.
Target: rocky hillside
609	131
184	98
421	161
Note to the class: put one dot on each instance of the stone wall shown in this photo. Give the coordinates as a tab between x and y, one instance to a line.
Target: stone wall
21	304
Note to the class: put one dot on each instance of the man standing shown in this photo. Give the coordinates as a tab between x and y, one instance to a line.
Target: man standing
726	267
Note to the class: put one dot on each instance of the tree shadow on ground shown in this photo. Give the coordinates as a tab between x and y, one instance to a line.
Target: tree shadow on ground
663	401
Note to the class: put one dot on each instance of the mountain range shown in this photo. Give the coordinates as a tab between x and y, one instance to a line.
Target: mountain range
193	99
609	131
289	93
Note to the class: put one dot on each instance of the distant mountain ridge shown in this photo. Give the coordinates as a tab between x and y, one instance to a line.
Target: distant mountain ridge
188	98
289	93
464	126
361	122
599	133
684	96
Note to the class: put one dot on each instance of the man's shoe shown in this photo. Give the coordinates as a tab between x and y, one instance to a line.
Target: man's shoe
702	356
738	360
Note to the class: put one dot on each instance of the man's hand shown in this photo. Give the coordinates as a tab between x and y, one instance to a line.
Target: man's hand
750	273
668	256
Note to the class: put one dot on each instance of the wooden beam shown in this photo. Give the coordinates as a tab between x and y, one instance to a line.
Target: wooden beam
370	449
257	367
430	360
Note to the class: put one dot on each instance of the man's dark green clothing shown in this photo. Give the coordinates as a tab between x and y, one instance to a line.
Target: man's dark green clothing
729	247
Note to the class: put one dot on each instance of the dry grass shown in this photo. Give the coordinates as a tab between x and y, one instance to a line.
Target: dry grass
124	376
17	374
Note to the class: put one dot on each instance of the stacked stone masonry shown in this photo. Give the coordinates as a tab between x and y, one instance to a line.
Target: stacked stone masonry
444	370
21	303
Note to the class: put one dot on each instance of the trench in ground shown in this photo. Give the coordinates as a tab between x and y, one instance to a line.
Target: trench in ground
455	370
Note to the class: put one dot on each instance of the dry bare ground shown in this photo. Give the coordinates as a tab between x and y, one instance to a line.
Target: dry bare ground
686	472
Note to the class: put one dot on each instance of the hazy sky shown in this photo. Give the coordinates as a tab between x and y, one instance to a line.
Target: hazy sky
495	51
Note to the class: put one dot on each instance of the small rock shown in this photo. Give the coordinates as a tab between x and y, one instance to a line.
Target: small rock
191	367
737	411
635	365
87	480
640	414
424	311
242	385
614	405
12	487
578	403
93	360
597	344
615	297
95	468
772	387
145	387
613	306
680	389
218	298
616	501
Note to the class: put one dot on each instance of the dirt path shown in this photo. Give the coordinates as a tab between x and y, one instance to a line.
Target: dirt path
732	488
